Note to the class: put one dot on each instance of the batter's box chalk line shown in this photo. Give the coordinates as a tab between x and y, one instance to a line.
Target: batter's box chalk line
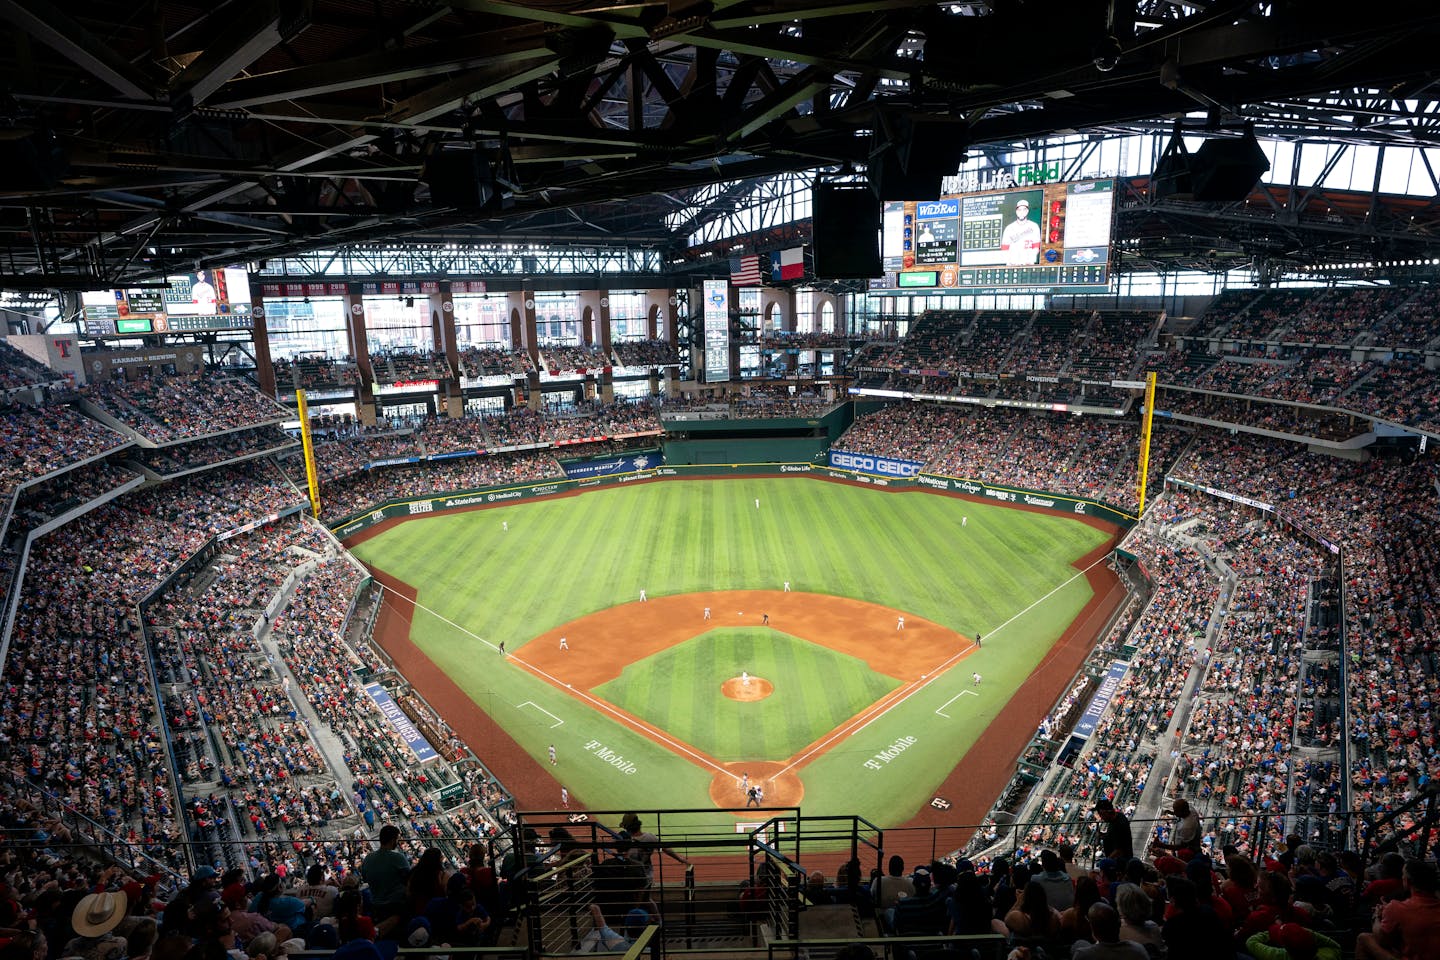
532	703
963	693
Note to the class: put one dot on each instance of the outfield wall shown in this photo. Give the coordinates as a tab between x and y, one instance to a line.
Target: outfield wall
1016	496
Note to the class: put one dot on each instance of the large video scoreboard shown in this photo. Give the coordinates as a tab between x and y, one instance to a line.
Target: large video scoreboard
194	302
1054	236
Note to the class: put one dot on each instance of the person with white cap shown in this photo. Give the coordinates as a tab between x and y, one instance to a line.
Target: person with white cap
94	917
1020	241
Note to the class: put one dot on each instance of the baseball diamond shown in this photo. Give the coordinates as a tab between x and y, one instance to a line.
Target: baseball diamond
851	722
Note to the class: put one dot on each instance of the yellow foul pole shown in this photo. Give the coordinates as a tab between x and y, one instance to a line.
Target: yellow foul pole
308	445
1145	422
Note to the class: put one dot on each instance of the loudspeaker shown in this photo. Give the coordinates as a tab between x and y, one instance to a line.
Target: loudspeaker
1227	170
846	231
460	178
923	153
1172	178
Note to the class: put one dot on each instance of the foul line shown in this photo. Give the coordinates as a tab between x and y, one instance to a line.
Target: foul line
532	703
632	723
446	620
865	718
629	722
962	693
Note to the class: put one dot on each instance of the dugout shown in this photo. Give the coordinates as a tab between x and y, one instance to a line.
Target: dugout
741	440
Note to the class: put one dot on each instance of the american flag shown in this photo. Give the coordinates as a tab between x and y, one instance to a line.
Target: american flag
745	271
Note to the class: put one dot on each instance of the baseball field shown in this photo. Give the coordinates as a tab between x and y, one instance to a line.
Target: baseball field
815	638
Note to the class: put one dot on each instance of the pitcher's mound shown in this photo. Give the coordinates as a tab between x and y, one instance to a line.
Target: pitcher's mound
738	689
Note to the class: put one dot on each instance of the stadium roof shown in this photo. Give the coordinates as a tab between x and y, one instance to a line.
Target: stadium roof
143	138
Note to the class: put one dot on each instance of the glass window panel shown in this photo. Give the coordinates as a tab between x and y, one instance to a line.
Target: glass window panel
1282	160
482	320
296	326
1362	167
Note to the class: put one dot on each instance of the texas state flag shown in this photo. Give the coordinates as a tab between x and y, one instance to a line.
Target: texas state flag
788	264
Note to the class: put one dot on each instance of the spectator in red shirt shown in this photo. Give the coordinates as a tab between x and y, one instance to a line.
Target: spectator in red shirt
1406	929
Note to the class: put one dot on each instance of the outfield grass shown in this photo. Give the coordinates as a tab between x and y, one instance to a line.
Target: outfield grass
569	557
678	690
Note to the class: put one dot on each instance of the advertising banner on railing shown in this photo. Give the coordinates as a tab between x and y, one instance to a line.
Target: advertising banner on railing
1100	702
610	465
875	466
418	745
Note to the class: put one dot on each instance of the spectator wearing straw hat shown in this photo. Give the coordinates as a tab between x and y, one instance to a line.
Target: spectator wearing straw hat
94	919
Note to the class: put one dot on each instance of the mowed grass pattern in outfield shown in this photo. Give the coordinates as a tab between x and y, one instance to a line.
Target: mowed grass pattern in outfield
571	556
1006	574
678	690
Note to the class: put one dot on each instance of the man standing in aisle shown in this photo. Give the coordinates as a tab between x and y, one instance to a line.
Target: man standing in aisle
1117	842
386	871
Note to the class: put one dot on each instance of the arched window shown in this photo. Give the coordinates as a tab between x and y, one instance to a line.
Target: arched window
774	316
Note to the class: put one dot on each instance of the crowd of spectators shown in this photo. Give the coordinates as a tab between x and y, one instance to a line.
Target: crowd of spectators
198	454
1285	345
1383	513
341	498
1091	457
18	371
1402	390
803	340
247	765
78	719
39	440
1071	345
477	362
68	491
183	406
310	373
573	358
1111	347
1244	613
646	353
779	400
1279	417
1412	326
1341	316
1055	337
398	366
933	344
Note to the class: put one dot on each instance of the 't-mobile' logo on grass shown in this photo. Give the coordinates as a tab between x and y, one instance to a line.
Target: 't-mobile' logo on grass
615	760
891	752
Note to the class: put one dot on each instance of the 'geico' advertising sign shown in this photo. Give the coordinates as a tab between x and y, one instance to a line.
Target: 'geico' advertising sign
875	466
